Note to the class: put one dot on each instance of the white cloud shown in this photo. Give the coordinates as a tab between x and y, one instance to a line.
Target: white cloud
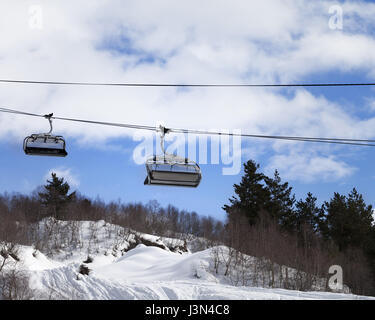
195	41
307	168
65	173
370	104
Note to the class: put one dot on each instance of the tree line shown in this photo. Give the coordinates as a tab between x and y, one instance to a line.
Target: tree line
265	219
18	211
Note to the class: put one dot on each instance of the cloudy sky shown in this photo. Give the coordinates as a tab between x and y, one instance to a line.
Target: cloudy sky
166	41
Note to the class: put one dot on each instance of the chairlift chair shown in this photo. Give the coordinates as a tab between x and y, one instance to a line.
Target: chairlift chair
171	170
45	144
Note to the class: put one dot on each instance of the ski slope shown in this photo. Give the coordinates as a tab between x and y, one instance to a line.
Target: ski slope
143	272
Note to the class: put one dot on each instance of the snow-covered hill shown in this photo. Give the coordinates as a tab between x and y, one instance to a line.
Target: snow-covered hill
128	269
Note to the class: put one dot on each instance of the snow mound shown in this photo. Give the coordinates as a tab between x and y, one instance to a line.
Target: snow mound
35	260
145	264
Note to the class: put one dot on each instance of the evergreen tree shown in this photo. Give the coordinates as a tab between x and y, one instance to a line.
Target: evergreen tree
307	215
251	194
281	201
305	220
348	220
56	197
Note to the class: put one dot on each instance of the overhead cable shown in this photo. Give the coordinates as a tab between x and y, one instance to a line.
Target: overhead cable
203	85
343	141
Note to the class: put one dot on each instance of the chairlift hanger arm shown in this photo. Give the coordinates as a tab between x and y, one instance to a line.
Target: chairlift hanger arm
163	131
49	118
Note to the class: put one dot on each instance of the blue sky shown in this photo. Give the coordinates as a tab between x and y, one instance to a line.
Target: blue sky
221	42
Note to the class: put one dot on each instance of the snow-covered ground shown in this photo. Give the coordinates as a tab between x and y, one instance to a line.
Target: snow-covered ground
151	273
142	272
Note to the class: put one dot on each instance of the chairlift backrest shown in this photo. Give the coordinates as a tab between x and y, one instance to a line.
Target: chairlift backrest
44	145
171	170
164	172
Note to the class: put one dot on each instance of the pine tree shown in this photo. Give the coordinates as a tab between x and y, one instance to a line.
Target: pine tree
251	194
305	220
56	197
281	201
307	214
348	220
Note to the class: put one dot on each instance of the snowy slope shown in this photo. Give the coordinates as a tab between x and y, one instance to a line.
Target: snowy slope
152	273
139	272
